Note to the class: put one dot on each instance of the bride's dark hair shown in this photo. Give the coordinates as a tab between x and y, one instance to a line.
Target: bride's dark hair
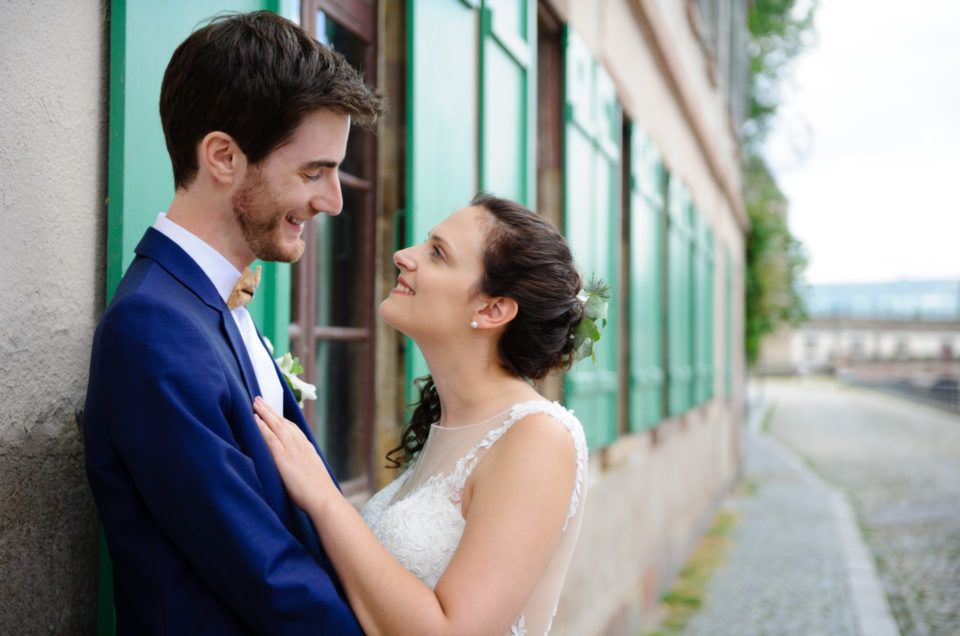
526	259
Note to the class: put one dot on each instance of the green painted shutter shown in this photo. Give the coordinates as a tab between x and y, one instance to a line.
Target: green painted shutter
471	112
441	124
508	126
679	295
728	324
592	219
645	308
701	309
709	318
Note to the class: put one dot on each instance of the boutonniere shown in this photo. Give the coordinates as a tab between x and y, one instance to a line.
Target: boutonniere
290	367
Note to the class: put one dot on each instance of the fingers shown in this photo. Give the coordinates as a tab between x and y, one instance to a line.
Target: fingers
264	427
282	430
264	410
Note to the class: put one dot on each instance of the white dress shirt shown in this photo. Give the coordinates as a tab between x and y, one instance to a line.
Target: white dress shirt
224	276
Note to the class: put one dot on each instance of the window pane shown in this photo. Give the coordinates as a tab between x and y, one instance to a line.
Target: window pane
341	267
355	51
338	409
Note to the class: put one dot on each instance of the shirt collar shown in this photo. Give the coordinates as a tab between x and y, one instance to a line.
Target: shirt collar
218	269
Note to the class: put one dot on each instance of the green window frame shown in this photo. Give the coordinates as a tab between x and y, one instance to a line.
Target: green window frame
646	267
680	294
592	222
703	309
728	324
471	113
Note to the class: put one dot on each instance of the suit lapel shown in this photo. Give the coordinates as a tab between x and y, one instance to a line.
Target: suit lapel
170	256
241	353
293	412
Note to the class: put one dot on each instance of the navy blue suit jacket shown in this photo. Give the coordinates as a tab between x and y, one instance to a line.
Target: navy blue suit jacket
203	536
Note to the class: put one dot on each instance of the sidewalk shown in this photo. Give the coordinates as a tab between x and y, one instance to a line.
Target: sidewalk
797	562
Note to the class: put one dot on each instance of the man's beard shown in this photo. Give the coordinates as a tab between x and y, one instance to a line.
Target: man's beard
260	220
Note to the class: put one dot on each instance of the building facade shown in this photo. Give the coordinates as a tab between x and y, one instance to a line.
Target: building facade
616	119
856	324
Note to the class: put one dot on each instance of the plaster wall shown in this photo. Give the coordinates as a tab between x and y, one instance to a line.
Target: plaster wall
651	496
52	257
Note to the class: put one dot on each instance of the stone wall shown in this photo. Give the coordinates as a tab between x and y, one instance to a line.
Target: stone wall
53	113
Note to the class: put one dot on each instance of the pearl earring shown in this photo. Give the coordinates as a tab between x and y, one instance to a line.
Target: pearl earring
473	324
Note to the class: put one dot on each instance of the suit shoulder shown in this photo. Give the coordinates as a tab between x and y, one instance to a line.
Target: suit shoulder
150	307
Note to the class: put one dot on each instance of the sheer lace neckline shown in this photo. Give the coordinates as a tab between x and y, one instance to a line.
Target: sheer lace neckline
495	416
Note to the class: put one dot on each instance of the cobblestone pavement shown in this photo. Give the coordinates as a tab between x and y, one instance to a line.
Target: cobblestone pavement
785	572
899	465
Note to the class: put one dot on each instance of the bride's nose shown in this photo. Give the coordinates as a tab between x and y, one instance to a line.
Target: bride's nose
404	260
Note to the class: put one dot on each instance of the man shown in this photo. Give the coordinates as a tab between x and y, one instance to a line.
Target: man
203	537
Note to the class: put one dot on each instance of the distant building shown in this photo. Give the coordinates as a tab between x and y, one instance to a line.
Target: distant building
859	323
882	322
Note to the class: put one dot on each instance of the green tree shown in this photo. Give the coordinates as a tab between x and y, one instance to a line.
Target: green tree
779	32
775	259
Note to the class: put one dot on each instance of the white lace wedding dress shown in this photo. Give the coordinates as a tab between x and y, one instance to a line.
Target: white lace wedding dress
418	517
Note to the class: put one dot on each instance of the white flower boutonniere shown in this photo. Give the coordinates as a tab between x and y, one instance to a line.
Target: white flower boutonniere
290	367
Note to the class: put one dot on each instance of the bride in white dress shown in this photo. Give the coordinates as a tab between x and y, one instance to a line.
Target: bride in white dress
476	535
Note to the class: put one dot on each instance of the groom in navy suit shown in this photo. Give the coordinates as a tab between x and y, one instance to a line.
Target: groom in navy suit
203	537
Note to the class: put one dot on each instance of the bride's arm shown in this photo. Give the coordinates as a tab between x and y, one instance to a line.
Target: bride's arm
519	499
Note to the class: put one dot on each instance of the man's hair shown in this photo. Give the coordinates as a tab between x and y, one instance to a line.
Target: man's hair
254	76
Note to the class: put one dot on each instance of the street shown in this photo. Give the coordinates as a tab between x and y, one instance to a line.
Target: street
898	463
849	517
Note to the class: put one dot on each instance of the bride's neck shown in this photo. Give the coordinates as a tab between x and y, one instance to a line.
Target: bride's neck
471	392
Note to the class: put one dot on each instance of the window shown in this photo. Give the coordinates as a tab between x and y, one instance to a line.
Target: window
550	138
593	124
645	312
681	241
332	301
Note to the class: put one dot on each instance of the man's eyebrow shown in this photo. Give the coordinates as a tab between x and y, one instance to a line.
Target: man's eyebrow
320	163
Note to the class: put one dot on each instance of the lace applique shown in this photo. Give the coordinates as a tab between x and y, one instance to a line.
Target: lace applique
519	629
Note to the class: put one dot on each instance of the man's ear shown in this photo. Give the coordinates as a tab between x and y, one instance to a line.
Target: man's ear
497	312
221	157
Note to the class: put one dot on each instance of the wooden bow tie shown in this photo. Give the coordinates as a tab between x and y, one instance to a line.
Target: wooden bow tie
243	291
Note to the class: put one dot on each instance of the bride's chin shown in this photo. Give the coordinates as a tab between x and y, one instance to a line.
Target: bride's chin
387	318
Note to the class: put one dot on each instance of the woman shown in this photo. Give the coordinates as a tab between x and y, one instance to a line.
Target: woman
475	537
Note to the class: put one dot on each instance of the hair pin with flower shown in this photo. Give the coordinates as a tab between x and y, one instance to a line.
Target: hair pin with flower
595	297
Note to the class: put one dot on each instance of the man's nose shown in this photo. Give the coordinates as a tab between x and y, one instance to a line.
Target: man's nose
329	199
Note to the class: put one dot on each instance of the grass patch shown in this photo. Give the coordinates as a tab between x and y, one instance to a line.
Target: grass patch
689	591
767	418
747	488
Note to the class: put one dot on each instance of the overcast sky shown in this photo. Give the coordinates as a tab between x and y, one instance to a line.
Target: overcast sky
867	142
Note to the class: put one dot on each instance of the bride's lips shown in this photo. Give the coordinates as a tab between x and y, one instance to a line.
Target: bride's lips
402	287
